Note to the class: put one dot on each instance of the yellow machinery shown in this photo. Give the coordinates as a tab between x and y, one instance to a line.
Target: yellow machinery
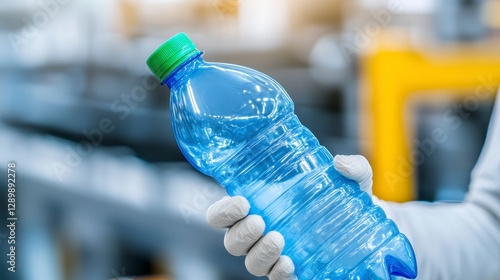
393	73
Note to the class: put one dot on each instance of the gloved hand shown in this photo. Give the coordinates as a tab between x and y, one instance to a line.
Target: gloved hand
244	236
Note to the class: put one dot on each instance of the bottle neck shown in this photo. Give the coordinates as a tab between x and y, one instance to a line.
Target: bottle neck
185	69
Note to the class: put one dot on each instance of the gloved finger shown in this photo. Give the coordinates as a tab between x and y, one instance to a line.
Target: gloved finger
243	235
227	211
265	253
283	269
357	168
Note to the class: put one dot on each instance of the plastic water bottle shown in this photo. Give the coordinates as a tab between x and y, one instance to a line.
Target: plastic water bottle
238	126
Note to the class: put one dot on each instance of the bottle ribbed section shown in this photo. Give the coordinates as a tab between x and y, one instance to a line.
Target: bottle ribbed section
330	226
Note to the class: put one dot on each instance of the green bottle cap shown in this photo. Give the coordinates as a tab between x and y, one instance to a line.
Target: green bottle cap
171	54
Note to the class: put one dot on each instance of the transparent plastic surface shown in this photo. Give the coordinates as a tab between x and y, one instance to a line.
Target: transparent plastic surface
238	126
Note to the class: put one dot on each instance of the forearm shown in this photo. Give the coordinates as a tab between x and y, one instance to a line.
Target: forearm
451	241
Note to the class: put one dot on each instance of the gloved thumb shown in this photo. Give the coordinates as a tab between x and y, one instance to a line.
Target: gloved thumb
357	168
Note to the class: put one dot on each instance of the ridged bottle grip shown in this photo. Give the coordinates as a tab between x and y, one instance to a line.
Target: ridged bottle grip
324	217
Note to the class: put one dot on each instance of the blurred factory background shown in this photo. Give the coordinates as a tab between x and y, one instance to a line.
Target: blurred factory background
102	189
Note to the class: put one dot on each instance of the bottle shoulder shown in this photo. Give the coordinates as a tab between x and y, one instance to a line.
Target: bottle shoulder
219	107
215	75
232	90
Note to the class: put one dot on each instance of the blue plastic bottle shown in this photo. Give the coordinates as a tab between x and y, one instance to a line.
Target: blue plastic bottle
238	126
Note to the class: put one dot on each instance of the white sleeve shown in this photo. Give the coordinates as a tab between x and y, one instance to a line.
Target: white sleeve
459	240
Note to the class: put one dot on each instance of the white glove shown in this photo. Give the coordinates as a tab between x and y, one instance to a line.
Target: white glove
244	236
